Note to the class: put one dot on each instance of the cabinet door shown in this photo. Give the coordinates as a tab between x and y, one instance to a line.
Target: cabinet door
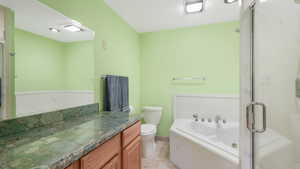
130	134
102	154
75	165
132	155
115	163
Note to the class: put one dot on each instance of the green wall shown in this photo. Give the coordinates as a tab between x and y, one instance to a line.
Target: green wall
117	48
151	60
38	63
44	64
79	68
210	50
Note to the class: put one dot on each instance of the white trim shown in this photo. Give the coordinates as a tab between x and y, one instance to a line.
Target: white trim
33	102
54	91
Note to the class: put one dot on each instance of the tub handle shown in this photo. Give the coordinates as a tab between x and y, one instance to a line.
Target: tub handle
250	115
196	117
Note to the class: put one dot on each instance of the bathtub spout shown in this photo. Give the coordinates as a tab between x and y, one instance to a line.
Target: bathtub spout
218	119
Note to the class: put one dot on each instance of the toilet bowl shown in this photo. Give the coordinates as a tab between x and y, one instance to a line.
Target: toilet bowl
148	131
148	140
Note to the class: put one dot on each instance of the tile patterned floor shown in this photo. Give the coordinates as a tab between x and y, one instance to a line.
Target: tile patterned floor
160	159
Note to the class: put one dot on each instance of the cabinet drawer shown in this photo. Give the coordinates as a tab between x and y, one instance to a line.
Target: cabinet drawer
115	163
101	155
131	133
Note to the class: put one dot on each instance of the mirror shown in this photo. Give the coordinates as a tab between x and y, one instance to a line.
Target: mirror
53	60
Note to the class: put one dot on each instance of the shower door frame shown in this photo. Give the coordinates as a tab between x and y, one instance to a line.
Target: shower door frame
248	108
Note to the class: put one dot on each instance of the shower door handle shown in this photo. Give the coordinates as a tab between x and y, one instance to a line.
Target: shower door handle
251	125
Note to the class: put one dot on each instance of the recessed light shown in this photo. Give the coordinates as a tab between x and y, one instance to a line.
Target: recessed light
73	28
230	1
194	7
54	30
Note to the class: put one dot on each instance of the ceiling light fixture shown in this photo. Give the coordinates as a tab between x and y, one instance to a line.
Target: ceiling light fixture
230	1
73	28
194	7
54	30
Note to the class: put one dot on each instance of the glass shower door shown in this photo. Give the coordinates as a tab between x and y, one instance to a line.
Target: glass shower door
1	78
274	85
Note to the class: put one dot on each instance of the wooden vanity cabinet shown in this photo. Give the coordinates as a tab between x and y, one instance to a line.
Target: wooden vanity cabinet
132	155
115	163
75	165
120	152
129	134
102	154
131	147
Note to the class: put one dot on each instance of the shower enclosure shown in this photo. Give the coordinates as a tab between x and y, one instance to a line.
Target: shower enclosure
270	84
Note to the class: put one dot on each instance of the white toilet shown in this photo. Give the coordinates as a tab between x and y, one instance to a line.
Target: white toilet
152	117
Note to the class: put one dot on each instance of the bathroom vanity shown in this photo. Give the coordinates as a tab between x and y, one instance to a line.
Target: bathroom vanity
82	139
121	151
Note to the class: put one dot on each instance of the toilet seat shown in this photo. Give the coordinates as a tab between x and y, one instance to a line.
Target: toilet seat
148	129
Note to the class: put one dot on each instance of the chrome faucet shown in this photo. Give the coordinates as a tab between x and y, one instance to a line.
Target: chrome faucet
217	120
196	117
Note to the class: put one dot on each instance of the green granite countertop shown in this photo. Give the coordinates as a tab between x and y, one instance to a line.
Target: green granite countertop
58	145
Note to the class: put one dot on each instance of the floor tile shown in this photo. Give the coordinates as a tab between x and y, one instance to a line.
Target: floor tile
160	159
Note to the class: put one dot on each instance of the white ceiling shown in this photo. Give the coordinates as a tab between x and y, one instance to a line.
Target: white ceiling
33	16
155	15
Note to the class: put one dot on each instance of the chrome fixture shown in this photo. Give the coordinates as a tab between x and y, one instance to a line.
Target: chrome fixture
218	121
209	120
251	114
196	117
230	1
54	30
195	6
73	28
189	78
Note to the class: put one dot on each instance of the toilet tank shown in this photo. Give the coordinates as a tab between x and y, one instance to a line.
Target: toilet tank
152	114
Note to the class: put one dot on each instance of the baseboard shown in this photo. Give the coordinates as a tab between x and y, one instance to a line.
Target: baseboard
162	138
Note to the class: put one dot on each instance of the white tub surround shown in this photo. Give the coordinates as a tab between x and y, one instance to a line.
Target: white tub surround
199	145
208	106
204	144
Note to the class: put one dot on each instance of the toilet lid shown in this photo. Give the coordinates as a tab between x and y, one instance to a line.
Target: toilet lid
148	129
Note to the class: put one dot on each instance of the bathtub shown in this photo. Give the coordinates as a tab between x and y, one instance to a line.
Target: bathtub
201	145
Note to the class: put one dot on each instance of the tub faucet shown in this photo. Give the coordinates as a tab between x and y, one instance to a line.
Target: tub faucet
218	119
196	117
